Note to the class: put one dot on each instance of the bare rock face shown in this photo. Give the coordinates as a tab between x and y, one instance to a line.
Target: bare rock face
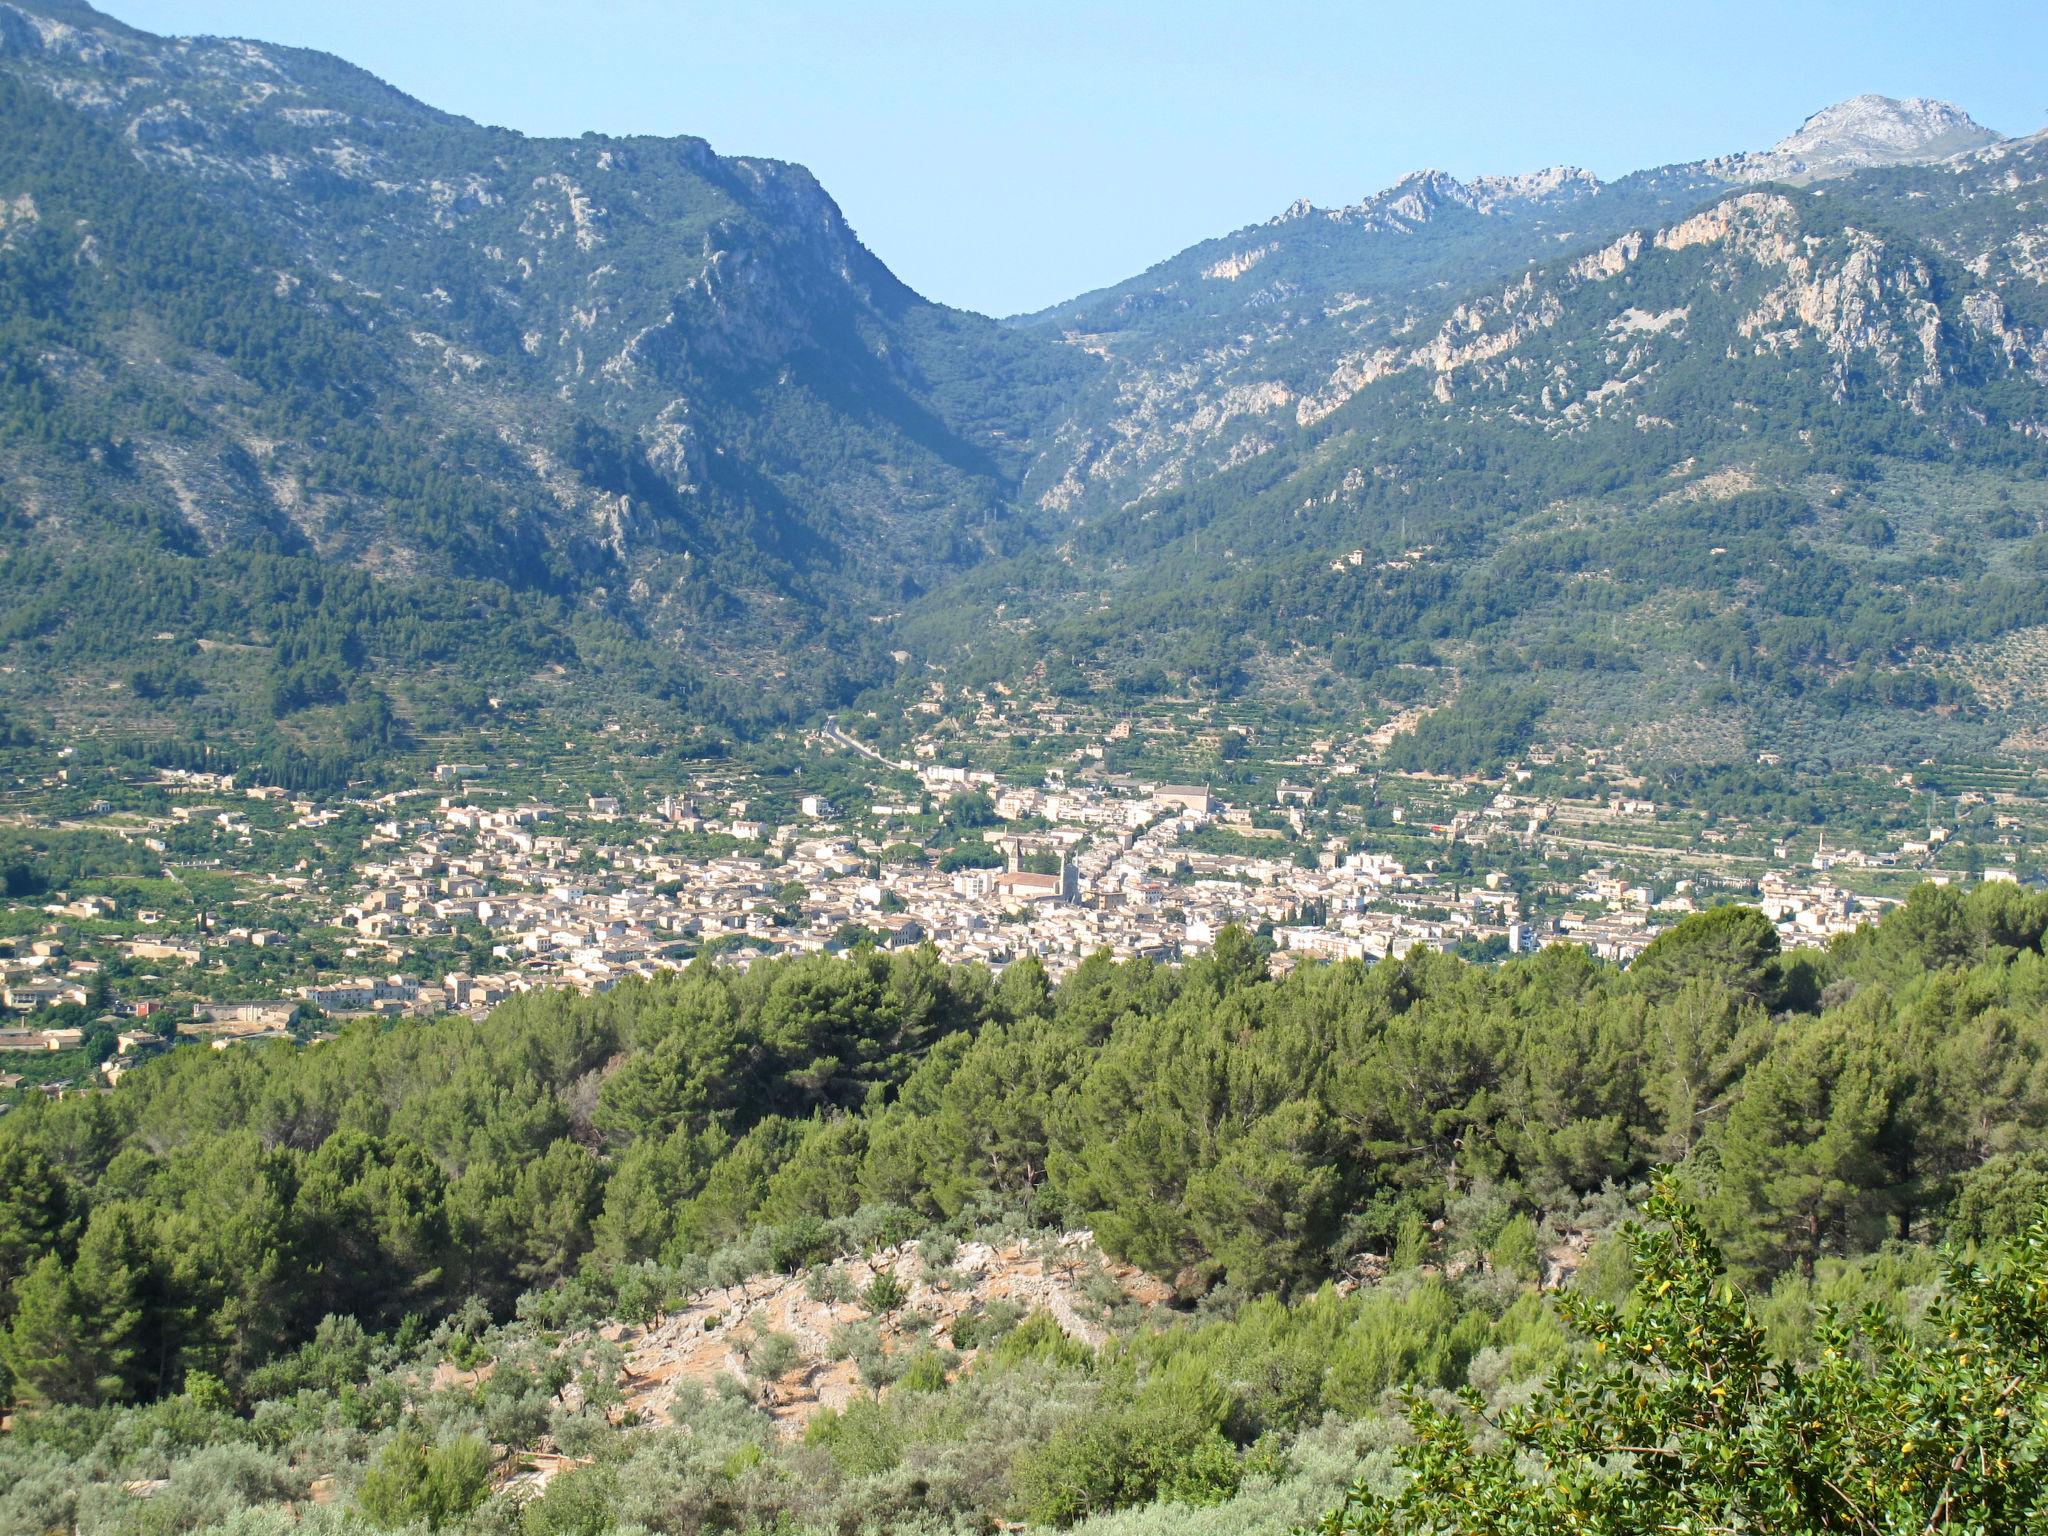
1320	304
1861	133
1555	182
1422	195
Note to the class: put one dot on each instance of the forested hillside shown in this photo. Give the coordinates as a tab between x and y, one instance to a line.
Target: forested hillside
603	420
1763	475
342	417
277	1241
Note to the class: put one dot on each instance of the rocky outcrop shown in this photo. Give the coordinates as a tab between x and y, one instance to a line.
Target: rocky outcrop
1235	265
1556	183
1870	308
2023	351
1423	195
708	1338
1861	133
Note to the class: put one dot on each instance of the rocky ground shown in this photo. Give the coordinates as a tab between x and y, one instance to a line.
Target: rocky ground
715	1335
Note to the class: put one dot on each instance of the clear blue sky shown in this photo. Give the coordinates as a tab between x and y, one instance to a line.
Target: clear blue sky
1003	155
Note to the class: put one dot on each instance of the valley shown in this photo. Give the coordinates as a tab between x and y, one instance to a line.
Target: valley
1387	878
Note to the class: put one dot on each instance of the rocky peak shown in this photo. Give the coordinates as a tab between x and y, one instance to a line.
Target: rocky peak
1421	195
1552	182
1860	133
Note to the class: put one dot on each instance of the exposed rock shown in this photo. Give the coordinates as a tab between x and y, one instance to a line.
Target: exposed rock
1632	321
1530	186
702	1342
17	215
1988	319
1610	260
1231	268
1859	133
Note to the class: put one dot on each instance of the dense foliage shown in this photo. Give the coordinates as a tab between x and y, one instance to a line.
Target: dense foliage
1209	1124
1680	1419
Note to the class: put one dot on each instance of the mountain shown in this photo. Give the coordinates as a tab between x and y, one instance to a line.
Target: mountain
1694	463
1218	350
1862	133
1222	345
261	303
335	428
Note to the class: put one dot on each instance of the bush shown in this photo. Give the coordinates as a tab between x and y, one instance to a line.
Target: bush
1681	1418
878	1368
883	1294
1040	1337
1165	1446
2000	1199
1418	1333
412	1482
1515	1250
850	1340
828	1283
982	1326
860	1438
578	1503
517	1401
926	1370
773	1356
803	1241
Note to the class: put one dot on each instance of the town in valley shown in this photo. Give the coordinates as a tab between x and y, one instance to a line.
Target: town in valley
210	906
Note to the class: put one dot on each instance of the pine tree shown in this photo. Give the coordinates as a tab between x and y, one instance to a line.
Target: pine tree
74	1333
1802	1168
35	1212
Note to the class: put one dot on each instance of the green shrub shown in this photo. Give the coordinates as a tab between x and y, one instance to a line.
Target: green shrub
1515	1249
1040	1337
883	1294
981	1326
861	1439
926	1371
412	1482
1680	1417
828	1283
1165	1445
773	1356
576	1503
1419	1334
2000	1198
849	1341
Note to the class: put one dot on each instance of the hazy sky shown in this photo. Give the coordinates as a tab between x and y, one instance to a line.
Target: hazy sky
1006	155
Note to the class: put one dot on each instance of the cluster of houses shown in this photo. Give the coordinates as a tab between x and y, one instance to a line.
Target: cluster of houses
1810	912
1084	868
1088	866
1141	869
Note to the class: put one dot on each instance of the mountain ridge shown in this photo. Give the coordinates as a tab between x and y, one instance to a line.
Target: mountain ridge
1946	130
707	412
1868	131
665	405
